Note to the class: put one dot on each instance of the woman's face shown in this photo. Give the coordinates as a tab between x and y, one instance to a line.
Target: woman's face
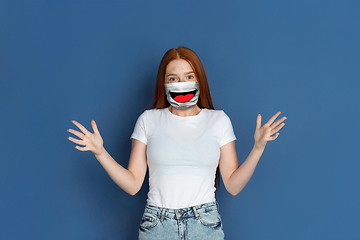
179	70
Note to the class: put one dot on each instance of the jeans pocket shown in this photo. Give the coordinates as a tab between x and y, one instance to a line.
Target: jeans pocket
149	220
211	218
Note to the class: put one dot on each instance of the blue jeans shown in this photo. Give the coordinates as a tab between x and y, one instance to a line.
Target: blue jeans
192	223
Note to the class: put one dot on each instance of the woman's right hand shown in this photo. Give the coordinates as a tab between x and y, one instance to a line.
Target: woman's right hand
92	141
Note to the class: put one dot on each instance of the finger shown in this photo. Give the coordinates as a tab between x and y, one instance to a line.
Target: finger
278	122
81	142
275	130
93	124
81	127
258	122
274	137
79	134
272	119
81	148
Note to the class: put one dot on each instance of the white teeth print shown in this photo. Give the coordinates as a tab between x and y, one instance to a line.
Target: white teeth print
182	87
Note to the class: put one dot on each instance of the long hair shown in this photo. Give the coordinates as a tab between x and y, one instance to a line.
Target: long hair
204	100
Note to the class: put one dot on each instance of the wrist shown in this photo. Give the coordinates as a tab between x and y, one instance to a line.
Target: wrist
259	148
102	150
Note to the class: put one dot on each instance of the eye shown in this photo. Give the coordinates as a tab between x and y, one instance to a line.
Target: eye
190	76
172	79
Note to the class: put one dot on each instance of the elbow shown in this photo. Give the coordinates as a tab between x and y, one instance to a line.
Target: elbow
133	188
128	190
133	192
234	193
235	189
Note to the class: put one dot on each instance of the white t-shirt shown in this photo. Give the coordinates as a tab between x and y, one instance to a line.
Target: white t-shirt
182	154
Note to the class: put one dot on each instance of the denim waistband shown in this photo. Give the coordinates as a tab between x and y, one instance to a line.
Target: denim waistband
182	212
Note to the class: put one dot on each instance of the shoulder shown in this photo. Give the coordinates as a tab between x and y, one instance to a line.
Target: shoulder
215	113
152	113
155	110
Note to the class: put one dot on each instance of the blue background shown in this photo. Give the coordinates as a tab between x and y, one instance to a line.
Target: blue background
98	60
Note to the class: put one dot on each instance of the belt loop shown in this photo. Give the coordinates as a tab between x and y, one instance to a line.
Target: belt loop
163	214
195	212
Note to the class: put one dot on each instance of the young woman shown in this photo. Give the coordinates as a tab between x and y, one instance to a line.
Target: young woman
184	142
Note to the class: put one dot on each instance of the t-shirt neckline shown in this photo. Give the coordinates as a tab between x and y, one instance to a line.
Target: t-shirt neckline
188	117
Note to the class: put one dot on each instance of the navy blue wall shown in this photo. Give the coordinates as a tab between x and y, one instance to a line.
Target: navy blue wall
98	60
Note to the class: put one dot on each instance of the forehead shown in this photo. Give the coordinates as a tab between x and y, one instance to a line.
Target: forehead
178	65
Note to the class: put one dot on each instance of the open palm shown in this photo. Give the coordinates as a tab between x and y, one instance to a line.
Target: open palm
263	134
92	141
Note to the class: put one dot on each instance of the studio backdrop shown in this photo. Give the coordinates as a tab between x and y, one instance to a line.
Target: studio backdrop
85	60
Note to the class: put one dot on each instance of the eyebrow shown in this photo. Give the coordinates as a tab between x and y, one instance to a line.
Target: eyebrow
175	74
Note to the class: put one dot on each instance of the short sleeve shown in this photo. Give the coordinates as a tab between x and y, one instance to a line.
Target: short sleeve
140	130
227	133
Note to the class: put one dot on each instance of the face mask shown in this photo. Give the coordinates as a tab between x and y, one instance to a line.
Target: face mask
182	95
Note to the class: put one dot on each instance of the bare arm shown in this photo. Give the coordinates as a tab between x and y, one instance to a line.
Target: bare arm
234	177
131	179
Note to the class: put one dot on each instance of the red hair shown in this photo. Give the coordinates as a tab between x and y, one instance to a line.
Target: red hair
205	101
190	56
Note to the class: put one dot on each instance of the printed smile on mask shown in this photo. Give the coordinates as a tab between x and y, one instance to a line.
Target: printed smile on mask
183	96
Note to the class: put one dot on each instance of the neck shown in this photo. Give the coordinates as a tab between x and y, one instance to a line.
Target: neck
195	110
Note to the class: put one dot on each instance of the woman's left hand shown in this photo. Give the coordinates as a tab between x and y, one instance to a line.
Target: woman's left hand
263	134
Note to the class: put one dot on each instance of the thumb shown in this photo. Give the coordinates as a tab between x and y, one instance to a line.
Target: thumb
258	122
93	124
